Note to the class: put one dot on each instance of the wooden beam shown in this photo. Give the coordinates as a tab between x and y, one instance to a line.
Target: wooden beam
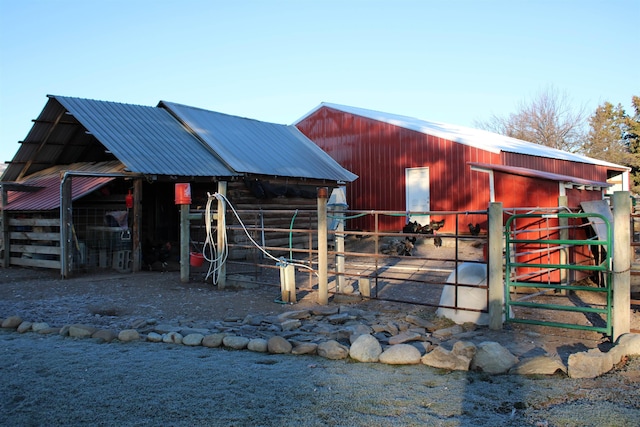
40	146
4	220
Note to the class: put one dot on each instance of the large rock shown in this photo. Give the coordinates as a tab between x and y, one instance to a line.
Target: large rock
278	345
104	335
172	338
591	364
404	337
290	324
128	335
213	340
39	326
332	350
493	358
420	322
235	342
458	359
628	345
446	333
365	348
541	365
24	327
258	345
305	348
81	331
11	322
193	340
356	330
154	337
400	354
299	314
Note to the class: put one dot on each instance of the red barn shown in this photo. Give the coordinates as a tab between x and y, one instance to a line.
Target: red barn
407	164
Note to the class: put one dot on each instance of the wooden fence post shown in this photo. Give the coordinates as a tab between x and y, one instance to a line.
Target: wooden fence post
494	267
621	277
222	230
323	286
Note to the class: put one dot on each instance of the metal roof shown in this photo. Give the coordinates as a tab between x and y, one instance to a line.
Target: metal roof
45	194
485	140
534	173
147	140
252	146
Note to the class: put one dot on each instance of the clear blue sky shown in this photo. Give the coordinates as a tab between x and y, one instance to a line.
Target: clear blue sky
450	61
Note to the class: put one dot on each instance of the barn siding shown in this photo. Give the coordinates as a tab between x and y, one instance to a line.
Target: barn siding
379	153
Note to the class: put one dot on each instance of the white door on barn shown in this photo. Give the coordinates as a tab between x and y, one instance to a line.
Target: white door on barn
417	190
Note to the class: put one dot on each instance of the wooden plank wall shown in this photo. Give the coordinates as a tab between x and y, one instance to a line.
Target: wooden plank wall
269	213
35	242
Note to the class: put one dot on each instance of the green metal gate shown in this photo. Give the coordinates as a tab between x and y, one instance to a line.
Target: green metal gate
518	284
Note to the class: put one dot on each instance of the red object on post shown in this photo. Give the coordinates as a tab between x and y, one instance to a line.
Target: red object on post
183	194
128	199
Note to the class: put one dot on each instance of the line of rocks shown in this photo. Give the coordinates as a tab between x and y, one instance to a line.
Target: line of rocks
341	332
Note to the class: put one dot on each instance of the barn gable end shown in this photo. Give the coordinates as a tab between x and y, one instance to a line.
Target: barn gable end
380	147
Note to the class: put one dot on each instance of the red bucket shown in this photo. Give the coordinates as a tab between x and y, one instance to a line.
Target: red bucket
196	259
183	194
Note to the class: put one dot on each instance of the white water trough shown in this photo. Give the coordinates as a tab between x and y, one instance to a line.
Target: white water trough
470	298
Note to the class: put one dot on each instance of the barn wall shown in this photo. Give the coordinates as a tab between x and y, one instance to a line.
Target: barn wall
562	167
379	153
272	203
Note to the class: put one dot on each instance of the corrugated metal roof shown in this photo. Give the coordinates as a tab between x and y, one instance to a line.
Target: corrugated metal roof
534	173
48	196
147	140
485	140
252	146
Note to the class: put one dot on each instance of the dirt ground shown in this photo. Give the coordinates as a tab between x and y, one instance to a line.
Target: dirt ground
51	380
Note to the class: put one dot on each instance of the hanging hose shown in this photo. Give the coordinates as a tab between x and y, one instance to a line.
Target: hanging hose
210	251
218	256
291	233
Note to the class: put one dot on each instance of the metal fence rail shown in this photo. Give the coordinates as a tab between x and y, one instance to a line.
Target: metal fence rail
356	258
514	240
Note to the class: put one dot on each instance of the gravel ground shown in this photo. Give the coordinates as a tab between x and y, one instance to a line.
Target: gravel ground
49	380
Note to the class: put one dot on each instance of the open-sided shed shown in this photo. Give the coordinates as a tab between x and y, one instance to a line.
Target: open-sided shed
94	180
408	164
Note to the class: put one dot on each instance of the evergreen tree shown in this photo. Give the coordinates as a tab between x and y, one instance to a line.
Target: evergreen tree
613	137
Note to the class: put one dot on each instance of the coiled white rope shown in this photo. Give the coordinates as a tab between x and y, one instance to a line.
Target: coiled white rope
210	251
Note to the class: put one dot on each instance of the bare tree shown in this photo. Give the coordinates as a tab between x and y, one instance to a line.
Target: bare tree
548	119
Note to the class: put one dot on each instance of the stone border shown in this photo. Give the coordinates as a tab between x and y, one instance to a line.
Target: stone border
344	332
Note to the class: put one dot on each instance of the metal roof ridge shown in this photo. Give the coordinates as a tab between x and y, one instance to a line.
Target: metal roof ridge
458	133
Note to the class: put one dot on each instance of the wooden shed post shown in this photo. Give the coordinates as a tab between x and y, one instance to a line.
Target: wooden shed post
4	219
621	277
494	267
184	242
323	286
136	249
222	229
66	222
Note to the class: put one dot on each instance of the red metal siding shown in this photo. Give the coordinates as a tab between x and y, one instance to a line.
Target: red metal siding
562	167
379	153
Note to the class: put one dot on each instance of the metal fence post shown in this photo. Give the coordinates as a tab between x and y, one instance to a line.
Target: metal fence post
494	267
621	277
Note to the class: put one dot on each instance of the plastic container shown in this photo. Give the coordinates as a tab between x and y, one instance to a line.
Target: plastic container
196	259
183	193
